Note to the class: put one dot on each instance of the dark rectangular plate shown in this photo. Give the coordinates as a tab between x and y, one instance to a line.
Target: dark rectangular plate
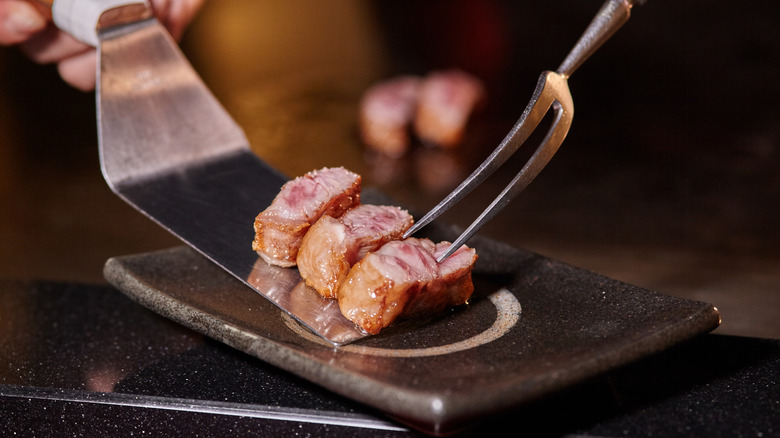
534	326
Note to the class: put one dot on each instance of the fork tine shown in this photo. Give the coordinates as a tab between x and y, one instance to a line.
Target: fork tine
563	108
552	90
529	120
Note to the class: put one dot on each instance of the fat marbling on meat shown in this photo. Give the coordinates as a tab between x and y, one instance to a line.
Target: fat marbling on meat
403	279
333	245
280	228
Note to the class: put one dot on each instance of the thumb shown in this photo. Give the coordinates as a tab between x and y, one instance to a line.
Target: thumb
19	20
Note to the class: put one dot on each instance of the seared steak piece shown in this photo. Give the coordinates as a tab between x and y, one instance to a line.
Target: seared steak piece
402	279
445	102
280	228
386	111
333	245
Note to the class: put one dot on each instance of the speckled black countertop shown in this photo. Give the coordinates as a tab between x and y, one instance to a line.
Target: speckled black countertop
84	360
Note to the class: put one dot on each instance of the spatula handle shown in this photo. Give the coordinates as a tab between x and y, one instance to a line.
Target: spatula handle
83	18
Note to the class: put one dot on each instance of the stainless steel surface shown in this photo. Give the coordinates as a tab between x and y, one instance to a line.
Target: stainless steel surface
170	149
155	115
552	91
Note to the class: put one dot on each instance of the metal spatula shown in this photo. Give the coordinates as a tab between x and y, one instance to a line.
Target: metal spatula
169	148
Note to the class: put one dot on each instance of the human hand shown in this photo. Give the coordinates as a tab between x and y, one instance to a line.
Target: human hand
29	25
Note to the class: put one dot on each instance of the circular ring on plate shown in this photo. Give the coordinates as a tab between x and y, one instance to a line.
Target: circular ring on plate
508	311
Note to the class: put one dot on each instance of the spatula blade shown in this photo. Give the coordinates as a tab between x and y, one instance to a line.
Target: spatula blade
171	150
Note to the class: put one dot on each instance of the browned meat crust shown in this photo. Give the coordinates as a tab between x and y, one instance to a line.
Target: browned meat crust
446	101
402	279
386	111
280	228
332	246
437	107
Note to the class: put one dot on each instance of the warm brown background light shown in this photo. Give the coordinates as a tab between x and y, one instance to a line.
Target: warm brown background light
669	178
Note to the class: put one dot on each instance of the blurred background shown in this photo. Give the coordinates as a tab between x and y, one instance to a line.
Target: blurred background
669	178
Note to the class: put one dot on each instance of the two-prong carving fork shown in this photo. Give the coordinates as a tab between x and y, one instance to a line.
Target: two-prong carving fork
552	91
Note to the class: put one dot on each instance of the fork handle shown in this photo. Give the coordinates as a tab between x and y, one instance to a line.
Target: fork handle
612	15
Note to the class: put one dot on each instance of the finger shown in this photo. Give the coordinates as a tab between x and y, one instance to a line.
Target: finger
52	45
176	14
80	70
181	14
19	20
